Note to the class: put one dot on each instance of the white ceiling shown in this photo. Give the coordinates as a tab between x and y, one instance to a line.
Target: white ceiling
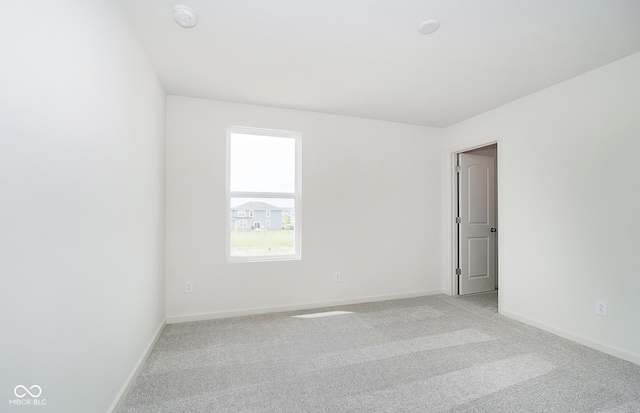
366	58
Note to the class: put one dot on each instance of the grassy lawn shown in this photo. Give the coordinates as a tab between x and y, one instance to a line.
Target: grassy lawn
273	242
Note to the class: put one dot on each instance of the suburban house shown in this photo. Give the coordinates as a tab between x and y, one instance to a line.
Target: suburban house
256	216
114	210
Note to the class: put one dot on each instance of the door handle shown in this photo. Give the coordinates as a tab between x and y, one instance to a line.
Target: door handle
494	230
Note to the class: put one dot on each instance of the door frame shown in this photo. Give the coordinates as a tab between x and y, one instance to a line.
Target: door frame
454	212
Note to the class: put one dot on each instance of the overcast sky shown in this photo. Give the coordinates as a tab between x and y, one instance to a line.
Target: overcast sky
262	163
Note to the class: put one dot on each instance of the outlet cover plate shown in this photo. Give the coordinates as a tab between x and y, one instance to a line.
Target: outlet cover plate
602	308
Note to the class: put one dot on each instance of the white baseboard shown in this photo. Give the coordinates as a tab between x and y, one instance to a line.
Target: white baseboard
294	307
136	370
614	351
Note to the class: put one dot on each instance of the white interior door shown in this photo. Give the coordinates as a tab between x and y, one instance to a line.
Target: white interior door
477	241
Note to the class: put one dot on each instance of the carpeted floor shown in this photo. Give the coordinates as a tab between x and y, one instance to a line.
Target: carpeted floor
427	354
488	300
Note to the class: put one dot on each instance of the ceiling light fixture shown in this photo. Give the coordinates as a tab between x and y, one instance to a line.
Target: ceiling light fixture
185	16
428	26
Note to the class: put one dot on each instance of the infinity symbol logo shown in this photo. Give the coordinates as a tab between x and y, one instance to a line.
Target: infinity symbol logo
25	391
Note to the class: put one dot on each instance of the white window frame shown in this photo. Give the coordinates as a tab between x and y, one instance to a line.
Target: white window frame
268	213
295	196
267	223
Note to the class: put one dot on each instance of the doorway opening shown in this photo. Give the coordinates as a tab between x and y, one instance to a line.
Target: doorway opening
475	229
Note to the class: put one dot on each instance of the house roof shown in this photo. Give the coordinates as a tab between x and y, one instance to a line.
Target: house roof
256	206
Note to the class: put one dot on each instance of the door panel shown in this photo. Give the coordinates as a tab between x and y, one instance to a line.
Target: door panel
477	244
478	257
478	200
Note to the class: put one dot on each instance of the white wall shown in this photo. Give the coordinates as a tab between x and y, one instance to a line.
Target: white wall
81	202
569	194
371	211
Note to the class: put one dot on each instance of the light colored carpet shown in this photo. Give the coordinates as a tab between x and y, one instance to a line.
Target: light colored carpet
427	354
488	300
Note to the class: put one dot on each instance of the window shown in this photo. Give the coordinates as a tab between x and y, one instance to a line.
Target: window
263	180
242	213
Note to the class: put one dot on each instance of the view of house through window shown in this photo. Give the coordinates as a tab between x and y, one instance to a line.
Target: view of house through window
263	194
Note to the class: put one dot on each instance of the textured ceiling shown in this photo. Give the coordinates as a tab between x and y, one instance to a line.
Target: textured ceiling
365	58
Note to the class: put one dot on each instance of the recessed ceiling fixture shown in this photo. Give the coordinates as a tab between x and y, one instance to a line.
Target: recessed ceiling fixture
185	16
428	26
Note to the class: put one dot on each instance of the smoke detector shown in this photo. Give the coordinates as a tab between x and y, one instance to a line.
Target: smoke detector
185	16
429	26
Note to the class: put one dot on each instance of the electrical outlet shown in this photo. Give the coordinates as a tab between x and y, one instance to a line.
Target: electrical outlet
336	277
188	286
601	308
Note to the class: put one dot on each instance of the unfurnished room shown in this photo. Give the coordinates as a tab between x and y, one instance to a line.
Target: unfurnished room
320	206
